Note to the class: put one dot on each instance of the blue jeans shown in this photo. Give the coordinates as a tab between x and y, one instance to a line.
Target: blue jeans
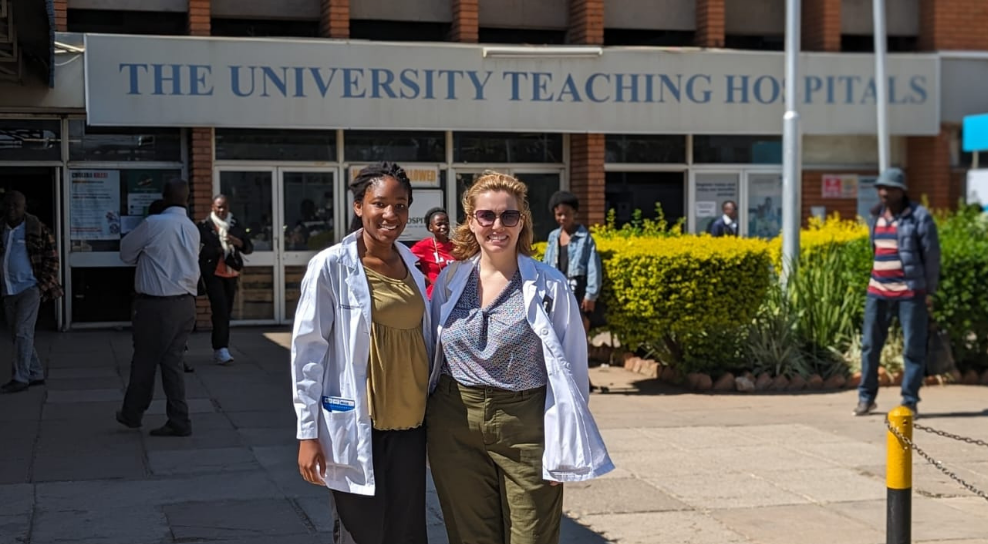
914	318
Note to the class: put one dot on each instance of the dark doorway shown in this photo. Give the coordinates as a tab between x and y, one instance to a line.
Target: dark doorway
626	192
38	185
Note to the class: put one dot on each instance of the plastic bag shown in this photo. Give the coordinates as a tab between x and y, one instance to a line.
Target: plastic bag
939	359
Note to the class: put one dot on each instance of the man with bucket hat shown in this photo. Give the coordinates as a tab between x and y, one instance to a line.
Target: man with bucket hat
903	281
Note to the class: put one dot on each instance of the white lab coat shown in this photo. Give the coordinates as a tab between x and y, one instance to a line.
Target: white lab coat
574	449
330	351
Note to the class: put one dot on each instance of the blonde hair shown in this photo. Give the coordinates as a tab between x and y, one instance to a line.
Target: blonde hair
465	242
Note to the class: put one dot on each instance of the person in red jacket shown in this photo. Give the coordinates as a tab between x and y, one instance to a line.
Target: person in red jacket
435	252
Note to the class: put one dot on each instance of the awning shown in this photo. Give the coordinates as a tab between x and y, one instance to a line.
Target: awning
27	39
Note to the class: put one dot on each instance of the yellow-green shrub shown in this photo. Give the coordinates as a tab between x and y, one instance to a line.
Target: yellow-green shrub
658	288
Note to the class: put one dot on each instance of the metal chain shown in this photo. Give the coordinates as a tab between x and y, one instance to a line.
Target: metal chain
934	462
948	435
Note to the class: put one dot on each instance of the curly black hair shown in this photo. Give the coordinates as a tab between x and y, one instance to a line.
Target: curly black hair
371	174
432	212
563	197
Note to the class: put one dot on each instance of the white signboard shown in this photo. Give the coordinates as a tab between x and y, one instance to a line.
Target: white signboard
94	204
977	188
323	84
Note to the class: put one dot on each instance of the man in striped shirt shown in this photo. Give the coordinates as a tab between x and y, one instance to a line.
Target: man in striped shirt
904	279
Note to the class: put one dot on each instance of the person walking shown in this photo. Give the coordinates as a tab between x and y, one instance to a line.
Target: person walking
572	251
726	224
165	249
509	419
436	251
361	368
904	280
30	277
224	243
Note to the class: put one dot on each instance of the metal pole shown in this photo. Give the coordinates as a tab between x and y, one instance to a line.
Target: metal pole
899	478
791	140
881	85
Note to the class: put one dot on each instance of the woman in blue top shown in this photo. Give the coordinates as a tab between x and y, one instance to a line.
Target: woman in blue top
572	251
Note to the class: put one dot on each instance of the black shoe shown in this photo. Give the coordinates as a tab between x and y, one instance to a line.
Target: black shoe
13	386
865	408
188	369
33	383
912	408
126	422
168	430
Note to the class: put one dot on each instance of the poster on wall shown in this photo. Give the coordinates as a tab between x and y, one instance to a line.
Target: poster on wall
867	197
143	188
712	191
420	176
977	188
840	186
764	205
94	205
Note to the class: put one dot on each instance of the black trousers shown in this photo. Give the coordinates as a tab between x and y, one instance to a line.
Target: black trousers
161	329
221	292
396	512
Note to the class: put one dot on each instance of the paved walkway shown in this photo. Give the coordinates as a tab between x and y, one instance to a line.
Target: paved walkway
693	469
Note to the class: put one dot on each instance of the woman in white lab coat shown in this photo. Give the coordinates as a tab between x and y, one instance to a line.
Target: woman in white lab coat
509	419
361	368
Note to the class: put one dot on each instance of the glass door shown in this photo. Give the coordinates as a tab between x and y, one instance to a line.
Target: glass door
308	225
251	197
762	216
709	191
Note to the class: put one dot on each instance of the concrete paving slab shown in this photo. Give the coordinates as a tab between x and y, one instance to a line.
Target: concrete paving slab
845	454
206	439
52	467
932	519
84	373
726	490
284	436
86	395
807	524
794	435
826	485
80	411
665	527
263	419
216	421
84	524
617	496
277	457
77	384
972	505
700	438
14	528
196	406
291	485
174	462
768	455
229	520
16	499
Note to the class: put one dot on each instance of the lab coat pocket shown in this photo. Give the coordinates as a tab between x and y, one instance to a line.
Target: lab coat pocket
341	434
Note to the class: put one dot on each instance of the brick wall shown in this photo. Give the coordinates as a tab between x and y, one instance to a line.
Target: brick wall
61	15
710	23
587	175
335	19
928	173
813	195
586	22
466	21
200	15
201	182
821	25
953	24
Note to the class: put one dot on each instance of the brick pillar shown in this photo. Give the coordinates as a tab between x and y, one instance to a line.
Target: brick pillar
200	17
821	25
928	171
466	21
334	21
710	23
586	175
61	15
586	22
953	24
201	183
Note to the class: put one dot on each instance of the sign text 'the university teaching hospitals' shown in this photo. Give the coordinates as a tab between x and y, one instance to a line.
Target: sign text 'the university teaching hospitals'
307	84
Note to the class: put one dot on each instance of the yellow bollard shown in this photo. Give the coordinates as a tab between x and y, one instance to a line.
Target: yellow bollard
899	478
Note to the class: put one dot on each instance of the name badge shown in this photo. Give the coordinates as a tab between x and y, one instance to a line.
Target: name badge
338	404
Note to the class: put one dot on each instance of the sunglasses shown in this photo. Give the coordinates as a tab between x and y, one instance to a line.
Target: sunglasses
486	218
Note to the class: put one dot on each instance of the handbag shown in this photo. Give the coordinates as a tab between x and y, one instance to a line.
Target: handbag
234	261
939	358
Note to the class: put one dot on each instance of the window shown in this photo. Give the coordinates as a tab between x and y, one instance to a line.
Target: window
394	145
30	140
850	43
275	145
737	149
128	22
120	144
658	38
645	149
627	192
401	31
264	28
507	147
758	43
527	36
